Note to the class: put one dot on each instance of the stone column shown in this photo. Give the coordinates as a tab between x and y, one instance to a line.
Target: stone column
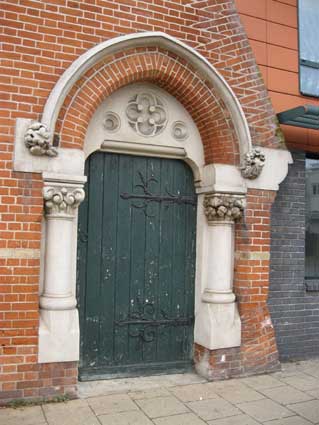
217	323
59	327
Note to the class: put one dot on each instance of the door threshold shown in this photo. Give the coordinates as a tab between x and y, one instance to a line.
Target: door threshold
134	370
137	384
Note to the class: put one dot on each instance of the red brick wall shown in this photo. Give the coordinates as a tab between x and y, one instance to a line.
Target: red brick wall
40	40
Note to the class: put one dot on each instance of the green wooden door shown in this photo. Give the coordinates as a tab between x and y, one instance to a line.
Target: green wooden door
136	266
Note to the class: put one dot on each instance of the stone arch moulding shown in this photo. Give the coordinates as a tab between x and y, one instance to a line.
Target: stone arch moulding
72	161
217	185
162	40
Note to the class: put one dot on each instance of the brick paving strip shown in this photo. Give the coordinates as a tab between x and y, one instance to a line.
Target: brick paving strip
289	397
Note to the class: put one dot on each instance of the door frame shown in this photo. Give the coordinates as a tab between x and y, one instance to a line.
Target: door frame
208	179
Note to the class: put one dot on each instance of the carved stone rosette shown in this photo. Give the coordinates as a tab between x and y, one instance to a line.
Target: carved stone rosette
62	200
222	207
146	114
254	162
37	140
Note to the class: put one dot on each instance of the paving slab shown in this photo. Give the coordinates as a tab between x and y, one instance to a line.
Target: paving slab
151	393
194	392
125	418
265	410
185	419
26	416
185	379
287	373
312	370
313	393
213	408
162	406
229	384
235	420
261	382
74	412
292	420
110	404
289	397
302	382
309	410
239	394
286	395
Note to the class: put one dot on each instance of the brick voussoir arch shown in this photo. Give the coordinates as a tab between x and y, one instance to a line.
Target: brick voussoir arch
169	63
170	73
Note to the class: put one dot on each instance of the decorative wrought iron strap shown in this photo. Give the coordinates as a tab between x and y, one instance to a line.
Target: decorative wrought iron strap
144	335
148	196
143	316
179	321
174	199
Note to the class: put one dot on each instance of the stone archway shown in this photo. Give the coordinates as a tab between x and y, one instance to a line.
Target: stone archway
223	130
114	127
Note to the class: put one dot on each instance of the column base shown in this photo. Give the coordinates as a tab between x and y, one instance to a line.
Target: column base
59	336
218	326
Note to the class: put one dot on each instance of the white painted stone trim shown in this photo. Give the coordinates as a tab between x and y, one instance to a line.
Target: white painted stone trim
143	148
274	171
69	161
125	140
217	321
59	336
228	179
59	324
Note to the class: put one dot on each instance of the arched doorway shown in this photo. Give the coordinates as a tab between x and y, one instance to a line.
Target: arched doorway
136	265
81	125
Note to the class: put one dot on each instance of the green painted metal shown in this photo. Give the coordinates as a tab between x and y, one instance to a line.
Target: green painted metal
306	116
136	266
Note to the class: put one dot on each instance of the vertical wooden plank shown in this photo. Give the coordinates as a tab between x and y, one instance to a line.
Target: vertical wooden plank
82	265
108	258
151	256
137	258
122	294
177	303
95	217
190	257
165	262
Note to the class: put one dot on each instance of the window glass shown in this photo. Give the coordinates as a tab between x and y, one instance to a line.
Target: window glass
308	46
312	219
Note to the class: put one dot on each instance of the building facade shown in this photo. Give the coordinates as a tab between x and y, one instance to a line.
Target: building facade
142	223
273	31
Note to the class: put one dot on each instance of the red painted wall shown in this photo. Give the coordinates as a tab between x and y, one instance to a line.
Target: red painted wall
272	29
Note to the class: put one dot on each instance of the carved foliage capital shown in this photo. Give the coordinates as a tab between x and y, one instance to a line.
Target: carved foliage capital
253	164
37	140
62	200
221	207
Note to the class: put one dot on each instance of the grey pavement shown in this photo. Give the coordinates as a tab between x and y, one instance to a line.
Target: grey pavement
289	397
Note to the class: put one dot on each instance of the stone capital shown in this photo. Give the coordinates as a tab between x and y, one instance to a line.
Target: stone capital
223	207
62	199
